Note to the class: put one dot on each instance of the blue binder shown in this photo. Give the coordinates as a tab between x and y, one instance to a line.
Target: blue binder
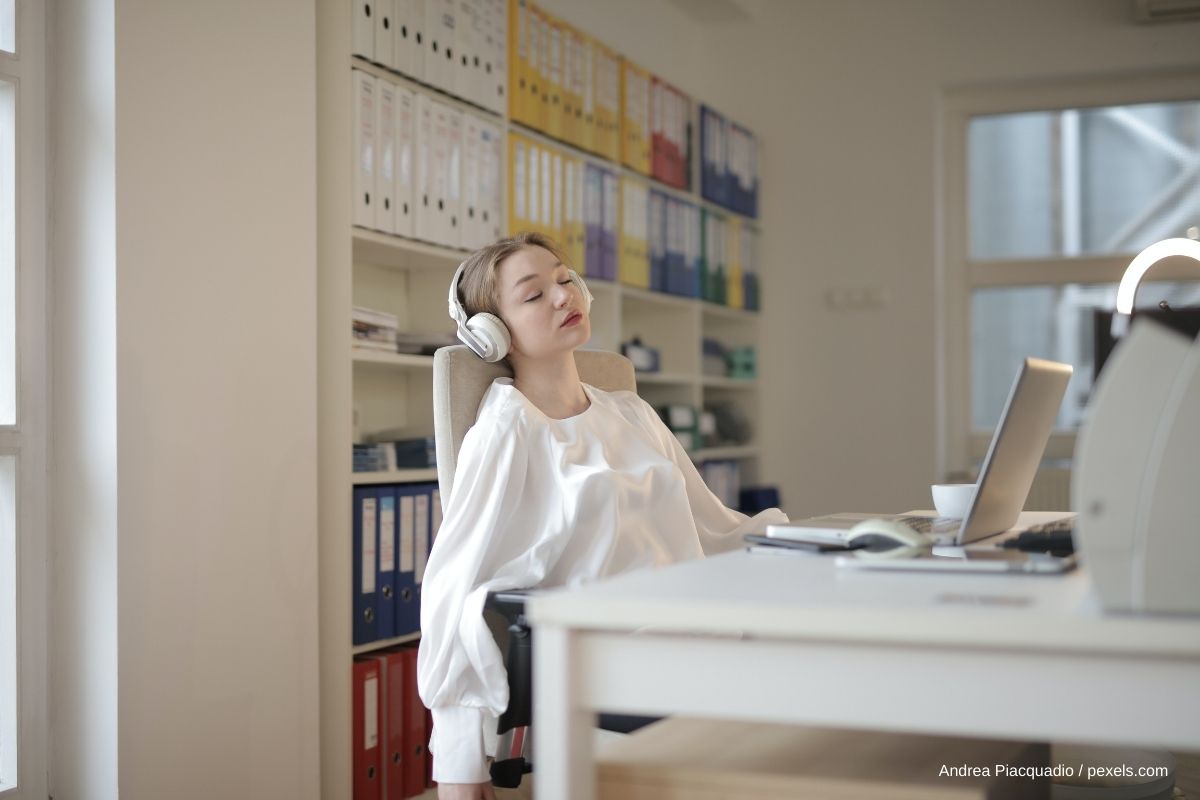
675	267
408	615
365	625
385	581
424	529
656	240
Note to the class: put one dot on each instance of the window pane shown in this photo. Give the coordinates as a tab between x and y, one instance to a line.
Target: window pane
1054	322
8	26
1096	181
8	621
8	272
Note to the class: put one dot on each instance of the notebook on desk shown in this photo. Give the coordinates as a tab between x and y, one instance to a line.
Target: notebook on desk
1004	479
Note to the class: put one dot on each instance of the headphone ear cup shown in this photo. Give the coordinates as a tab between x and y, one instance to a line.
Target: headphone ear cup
583	289
492	334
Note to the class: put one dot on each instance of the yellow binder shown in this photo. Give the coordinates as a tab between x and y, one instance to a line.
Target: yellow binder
607	88
573	240
587	93
635	117
520	34
633	267
734	294
572	85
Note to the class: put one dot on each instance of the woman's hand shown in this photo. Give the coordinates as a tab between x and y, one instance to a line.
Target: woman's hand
466	791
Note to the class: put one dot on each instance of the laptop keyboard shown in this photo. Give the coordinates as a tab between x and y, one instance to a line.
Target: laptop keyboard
932	524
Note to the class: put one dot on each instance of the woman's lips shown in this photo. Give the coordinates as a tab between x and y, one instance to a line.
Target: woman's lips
572	319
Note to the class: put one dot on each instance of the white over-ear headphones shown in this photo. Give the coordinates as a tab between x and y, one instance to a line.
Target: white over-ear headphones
486	334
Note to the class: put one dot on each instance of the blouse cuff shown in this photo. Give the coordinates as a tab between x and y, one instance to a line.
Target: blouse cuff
457	745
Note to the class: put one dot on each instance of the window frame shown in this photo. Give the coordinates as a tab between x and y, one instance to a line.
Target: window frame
960	446
28	438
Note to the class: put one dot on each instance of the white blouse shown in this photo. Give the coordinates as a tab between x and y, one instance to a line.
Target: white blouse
540	502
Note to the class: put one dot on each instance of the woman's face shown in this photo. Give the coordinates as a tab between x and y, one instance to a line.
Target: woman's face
544	311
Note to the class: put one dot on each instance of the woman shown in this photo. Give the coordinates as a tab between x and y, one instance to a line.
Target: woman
557	483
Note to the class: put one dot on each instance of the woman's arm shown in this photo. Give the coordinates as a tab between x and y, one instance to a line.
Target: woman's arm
720	528
481	547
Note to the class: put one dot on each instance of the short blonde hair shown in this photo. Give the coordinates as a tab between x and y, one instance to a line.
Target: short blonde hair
477	286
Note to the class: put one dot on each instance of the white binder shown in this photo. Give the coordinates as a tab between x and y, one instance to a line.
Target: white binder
385	156
446	169
556	200
385	37
425	200
495	65
466	52
534	183
472	202
439	54
409	26
364	148
491	180
363	43
405	161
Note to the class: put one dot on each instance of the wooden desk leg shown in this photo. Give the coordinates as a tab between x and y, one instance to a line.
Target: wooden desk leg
563	766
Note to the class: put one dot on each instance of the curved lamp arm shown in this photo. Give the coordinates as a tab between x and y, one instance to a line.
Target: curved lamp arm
1137	268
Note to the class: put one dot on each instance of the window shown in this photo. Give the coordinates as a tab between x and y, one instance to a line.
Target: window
23	401
1048	192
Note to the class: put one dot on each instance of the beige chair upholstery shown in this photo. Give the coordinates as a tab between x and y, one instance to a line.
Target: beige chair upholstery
460	379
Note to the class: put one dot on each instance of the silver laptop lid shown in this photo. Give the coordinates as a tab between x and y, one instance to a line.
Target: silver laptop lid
1016	450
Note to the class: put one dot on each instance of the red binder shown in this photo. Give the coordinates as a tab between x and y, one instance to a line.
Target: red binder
392	666
414	728
367	759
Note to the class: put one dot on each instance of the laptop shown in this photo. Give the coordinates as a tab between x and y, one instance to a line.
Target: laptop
1004	480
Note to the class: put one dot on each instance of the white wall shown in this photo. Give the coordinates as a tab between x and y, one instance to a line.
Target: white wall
844	97
185	654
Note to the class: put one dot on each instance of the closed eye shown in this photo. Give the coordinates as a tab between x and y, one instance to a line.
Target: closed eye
539	294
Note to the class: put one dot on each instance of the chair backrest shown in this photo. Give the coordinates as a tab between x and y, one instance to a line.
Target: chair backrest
460	379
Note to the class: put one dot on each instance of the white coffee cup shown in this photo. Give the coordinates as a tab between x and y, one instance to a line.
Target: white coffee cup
953	499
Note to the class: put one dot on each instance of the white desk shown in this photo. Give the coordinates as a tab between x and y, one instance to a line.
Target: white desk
789	638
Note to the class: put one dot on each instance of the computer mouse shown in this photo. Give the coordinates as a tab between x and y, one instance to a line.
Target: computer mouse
885	535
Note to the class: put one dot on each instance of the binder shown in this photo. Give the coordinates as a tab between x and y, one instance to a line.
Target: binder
733	269
363	42
587	93
522	38
572	84
714	177
593	221
557	229
367	761
554	76
635	117
657	240
695	247
608	103
518	184
574	233
749	262
472	204
611	222
533	184
421	530
482	200
439	55
409	47
408	614
545	191
714	257
385	37
465	51
364	148
385	574
385	161
493	69
415	739
364	541
435	511
394	695
405	161
634	265
425	219
659	166
675	257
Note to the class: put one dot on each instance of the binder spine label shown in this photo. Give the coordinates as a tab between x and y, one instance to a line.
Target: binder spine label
368	545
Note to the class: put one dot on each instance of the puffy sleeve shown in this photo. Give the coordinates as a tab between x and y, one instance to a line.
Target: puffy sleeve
460	671
719	527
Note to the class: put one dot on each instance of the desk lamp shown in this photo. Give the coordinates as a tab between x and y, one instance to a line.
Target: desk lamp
1134	480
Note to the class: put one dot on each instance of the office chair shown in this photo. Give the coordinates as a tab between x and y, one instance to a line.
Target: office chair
460	379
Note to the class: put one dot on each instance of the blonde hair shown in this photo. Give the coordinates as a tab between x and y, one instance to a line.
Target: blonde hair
477	286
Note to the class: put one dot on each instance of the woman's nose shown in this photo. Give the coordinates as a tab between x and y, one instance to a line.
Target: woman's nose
562	296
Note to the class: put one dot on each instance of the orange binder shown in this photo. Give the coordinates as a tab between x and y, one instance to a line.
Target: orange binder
415	739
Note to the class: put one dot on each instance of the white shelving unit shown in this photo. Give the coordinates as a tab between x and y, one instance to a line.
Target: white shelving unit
366	391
